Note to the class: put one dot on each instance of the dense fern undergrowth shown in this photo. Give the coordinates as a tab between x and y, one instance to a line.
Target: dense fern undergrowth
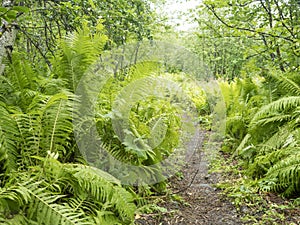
44	177
263	129
46	180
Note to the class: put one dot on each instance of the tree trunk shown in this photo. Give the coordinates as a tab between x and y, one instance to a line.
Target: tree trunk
8	34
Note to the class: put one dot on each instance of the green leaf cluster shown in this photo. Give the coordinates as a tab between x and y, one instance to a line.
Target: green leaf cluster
267	136
43	177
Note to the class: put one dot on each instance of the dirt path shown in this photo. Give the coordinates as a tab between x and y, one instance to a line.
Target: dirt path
202	203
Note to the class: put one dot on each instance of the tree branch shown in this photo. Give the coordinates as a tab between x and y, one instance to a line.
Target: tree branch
290	30
245	29
36	46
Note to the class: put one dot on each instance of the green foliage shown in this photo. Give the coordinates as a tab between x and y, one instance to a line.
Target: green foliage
254	204
242	99
263	107
61	193
41	180
153	128
268	26
78	53
8	138
269	143
10	13
41	23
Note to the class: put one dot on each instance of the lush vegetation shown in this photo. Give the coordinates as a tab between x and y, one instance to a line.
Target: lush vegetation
250	47
253	48
263	97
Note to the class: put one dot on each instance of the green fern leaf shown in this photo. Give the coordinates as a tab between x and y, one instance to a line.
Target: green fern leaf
45	210
9	135
287	84
104	191
280	105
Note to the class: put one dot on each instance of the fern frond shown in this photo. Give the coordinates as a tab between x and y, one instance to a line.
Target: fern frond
241	146
291	87
101	189
286	172
95	172
16	193
106	218
79	51
91	187
48	125
44	209
20	73
123	202
58	122
19	84
276	141
280	105
274	119
9	135
17	220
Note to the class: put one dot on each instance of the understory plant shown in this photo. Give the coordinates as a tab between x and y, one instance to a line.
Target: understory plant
267	138
43	177
153	104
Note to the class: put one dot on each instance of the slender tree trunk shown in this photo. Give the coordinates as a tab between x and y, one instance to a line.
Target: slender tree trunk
7	38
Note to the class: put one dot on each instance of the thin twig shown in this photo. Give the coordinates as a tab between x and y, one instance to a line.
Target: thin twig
246	29
36	46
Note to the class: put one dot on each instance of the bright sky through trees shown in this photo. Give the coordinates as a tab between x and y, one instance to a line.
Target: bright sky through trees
179	13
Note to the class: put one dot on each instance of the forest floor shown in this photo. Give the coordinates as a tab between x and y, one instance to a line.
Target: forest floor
198	200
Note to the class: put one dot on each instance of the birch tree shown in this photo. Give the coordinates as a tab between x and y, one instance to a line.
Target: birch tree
7	33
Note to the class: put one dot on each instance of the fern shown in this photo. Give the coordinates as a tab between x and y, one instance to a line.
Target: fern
286	174
91	186
48	125
19	82
78	52
17	220
35	128
268	137
276	141
106	218
104	191
44	209
287	84
8	137
283	104
43	197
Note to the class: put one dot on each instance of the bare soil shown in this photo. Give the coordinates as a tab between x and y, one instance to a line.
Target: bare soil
202	202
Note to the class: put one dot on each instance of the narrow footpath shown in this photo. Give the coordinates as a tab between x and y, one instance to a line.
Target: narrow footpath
202	202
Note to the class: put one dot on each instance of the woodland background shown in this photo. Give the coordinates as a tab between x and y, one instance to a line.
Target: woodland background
251	47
